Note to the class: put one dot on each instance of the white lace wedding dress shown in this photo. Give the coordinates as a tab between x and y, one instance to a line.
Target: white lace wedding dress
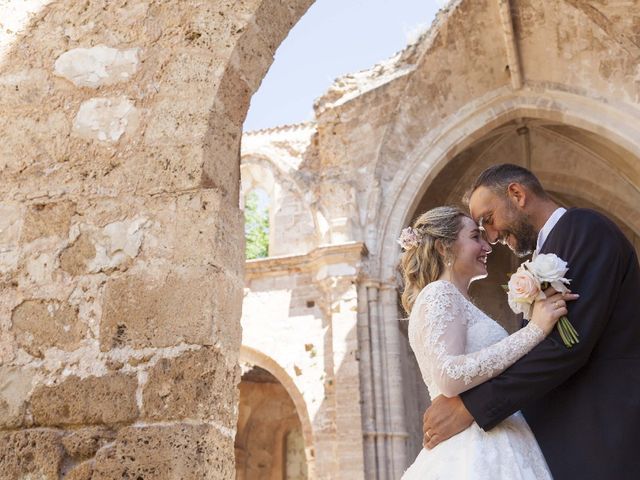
458	347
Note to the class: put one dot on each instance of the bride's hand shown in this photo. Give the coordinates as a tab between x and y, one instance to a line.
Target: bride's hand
547	312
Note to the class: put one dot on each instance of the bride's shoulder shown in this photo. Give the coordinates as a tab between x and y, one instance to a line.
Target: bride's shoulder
438	297
438	287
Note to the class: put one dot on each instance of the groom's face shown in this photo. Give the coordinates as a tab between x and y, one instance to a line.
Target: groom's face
503	221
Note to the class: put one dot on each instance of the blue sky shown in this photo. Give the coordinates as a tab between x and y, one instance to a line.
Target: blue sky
333	38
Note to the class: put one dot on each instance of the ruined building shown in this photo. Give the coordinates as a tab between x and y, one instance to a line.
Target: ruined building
124	282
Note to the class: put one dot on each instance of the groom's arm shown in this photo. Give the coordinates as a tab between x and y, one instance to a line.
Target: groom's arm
597	255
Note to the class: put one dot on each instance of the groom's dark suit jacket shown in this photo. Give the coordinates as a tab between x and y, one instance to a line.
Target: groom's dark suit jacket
583	403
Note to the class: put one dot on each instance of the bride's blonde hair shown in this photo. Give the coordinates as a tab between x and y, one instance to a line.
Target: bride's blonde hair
421	262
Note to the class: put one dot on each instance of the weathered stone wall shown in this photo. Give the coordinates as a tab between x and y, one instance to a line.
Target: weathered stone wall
121	252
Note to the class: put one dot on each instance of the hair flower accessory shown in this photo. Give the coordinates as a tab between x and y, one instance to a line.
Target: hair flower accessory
410	238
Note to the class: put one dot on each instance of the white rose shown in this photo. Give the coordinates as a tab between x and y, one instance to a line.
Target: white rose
548	267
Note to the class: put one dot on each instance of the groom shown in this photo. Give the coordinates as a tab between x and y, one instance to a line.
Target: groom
582	403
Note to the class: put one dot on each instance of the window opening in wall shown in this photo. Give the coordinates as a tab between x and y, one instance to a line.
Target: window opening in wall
256	226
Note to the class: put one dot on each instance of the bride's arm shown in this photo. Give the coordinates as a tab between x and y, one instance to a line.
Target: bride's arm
443	332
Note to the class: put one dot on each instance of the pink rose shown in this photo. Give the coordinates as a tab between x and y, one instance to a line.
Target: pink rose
523	287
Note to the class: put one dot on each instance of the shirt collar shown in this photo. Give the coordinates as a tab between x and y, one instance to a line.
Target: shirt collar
548	226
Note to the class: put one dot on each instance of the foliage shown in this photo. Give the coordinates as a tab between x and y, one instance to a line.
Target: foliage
256	228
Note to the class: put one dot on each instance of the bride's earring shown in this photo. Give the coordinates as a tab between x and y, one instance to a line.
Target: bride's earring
449	261
449	264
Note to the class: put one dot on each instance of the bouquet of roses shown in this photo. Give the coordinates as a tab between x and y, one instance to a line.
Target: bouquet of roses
528	284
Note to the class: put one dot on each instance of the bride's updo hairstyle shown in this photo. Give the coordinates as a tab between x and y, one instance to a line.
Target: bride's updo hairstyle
421	262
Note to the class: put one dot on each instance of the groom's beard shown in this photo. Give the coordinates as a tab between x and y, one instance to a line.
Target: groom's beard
524	233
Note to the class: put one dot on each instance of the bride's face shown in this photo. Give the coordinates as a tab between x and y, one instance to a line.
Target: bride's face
470	252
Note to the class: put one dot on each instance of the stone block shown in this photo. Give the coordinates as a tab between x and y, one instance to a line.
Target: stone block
230	23
180	451
165	168
110	399
196	385
97	66
15	385
30	454
24	88
41	324
177	122
82	471
234	95
221	169
188	306
117	244
200	236
47	220
275	20
10	224
192	70
75	258
83	443
33	147
106	119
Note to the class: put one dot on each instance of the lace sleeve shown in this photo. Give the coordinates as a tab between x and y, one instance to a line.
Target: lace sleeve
443	332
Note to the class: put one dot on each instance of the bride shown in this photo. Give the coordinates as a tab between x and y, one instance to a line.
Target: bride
458	347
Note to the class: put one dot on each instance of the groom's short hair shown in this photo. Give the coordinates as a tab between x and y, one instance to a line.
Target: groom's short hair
498	178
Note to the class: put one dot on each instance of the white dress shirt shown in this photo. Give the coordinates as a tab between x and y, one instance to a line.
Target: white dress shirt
548	226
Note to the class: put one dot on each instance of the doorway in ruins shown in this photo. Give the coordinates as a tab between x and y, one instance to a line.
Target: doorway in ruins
269	444
577	167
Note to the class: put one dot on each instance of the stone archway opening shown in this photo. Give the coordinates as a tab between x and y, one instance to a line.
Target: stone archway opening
269	442
577	167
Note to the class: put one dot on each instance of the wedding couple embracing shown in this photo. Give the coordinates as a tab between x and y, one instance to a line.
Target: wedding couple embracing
556	399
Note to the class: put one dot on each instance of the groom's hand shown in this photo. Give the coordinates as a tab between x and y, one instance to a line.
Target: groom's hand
443	419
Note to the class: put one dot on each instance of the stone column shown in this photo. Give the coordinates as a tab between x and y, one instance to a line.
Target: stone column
397	434
337	270
378	379
384	427
366	382
119	350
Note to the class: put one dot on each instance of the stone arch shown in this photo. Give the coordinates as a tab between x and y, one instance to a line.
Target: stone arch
478	119
172	175
257	358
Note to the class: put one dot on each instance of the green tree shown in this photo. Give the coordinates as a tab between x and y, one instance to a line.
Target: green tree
256	228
